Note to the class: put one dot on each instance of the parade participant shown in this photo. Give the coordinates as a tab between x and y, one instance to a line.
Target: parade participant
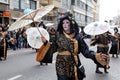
42	25
68	45
3	44
13	42
115	43
102	41
48	57
52	33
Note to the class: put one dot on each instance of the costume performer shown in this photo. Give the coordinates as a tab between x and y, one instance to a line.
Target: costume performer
3	45
102	41
68	45
115	43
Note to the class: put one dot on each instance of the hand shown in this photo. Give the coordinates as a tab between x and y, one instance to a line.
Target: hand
43	39
103	56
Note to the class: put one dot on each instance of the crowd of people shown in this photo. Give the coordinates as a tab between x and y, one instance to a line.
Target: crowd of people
11	40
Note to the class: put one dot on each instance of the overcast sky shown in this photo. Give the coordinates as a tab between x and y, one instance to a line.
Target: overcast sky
109	8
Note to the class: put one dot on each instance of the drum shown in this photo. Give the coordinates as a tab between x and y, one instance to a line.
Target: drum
42	52
103	62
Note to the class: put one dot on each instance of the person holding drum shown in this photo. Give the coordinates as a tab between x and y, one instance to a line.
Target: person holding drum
69	45
102	41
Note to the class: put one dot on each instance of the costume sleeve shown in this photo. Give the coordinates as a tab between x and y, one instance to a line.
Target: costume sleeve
94	41
84	49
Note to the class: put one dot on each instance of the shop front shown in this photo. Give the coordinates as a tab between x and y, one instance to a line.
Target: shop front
4	17
4	13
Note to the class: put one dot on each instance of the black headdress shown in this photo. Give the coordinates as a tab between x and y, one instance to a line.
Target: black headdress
42	24
73	24
116	29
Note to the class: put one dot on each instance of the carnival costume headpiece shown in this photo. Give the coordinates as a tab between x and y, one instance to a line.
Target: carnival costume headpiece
116	29
73	24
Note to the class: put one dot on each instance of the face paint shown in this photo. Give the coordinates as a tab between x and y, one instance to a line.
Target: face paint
66	25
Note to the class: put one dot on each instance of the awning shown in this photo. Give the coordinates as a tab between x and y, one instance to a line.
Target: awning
6	14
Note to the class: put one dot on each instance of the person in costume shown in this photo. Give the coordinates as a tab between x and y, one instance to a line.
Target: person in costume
42	25
68	45
3	44
102	41
115	43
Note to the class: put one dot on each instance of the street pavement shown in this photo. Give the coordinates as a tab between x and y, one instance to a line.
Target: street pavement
114	71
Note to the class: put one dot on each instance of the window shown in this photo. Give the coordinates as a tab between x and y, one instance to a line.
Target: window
16	4
76	16
78	2
89	9
4	1
65	4
82	5
89	19
72	2
25	4
32	4
90	1
58	0
83	19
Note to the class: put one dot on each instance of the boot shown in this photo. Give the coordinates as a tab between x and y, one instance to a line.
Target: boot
116	55
98	71
105	70
113	55
0	59
46	63
41	63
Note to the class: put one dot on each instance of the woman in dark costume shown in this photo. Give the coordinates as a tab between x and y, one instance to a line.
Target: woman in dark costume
42	25
102	42
115	43
68	45
53	37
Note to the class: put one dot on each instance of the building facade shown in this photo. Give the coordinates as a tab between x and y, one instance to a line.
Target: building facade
4	12
52	16
17	7
84	11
